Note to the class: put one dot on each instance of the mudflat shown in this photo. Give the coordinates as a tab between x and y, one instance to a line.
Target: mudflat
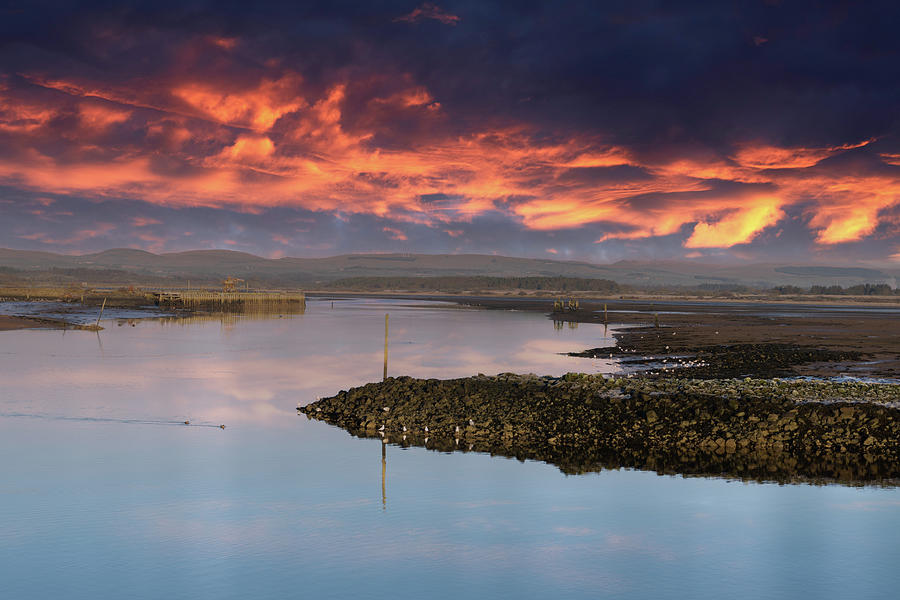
868	336
12	323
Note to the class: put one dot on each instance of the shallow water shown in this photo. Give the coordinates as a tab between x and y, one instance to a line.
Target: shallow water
104	492
75	313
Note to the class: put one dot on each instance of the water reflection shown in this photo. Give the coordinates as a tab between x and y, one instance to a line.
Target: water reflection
228	368
94	504
854	469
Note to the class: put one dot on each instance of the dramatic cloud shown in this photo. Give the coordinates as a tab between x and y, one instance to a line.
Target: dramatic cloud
429	11
634	132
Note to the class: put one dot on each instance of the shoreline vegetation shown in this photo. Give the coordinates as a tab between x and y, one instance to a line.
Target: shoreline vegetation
60	282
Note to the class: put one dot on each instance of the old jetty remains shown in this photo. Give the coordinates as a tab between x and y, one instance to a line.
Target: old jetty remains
760	429
234	302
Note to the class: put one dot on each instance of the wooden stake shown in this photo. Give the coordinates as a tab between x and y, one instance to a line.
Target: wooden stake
385	344
100	316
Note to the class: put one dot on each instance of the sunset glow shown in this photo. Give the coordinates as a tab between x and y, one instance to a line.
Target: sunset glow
223	123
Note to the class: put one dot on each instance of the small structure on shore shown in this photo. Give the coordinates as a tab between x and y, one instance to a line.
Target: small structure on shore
230	284
565	305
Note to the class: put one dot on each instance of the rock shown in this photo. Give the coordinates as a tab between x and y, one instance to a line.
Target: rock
577	420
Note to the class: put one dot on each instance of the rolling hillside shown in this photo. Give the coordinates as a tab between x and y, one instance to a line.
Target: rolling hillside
212	264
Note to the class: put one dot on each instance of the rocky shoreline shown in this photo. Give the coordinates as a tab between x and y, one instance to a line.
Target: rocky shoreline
722	360
759	429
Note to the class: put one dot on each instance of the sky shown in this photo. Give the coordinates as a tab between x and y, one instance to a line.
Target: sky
726	131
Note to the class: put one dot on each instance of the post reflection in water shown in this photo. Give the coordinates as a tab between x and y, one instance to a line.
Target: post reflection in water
383	474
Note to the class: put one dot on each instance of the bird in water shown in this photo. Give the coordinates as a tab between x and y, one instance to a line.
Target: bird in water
187	422
221	427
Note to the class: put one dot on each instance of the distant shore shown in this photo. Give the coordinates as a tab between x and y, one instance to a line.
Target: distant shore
651	326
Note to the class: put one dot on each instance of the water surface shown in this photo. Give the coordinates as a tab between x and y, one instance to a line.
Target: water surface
104	492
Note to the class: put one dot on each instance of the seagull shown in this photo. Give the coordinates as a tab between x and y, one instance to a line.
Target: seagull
457	429
385	408
426	429
381	428
471	422
404	429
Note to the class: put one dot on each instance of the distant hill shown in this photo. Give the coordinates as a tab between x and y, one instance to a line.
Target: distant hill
308	272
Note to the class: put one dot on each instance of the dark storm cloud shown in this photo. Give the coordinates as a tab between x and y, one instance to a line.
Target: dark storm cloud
628	126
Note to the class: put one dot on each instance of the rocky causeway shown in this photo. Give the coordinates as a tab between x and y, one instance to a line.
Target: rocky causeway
759	429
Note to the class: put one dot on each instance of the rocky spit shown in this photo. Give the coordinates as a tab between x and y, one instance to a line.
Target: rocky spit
722	360
756	429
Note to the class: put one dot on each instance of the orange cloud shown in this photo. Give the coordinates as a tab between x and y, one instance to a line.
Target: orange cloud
274	143
97	116
429	11
737	226
145	221
99	230
395	234
848	207
256	108
764	156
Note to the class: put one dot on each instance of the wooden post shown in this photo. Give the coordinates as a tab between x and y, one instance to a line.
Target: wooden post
605	317
100	316
385	344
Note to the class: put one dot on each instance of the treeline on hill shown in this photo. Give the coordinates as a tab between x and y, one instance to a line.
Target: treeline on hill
462	283
10	276
58	276
866	289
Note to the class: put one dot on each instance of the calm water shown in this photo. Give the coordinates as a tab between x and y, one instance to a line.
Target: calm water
104	495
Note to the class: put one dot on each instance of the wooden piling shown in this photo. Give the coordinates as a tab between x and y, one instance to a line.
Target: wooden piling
100	316
385	345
